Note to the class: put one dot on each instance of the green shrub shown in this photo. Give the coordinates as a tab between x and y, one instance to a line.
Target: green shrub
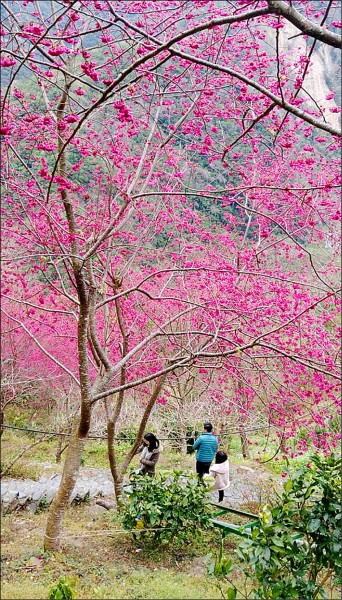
297	547
167	507
44	504
63	590
128	434
220	569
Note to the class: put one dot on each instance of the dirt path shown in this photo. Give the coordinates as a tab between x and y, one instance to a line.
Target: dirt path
249	488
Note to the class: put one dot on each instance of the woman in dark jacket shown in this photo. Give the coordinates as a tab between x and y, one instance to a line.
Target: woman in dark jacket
150	451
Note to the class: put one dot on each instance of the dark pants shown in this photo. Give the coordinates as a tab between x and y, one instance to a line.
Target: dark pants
221	495
202	468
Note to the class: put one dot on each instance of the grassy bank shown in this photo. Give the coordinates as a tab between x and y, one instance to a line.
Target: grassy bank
103	563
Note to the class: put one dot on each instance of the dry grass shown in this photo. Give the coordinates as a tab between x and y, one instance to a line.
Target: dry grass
104	564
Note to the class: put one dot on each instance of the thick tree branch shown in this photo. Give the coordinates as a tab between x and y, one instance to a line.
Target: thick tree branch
279	7
301	114
173	49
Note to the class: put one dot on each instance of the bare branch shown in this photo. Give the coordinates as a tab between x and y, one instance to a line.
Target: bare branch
279	7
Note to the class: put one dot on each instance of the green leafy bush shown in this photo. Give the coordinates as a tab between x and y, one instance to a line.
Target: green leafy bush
220	569
167	507
297	547
63	590
43	505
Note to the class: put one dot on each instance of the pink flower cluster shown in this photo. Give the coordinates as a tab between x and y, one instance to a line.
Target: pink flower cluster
124	114
88	68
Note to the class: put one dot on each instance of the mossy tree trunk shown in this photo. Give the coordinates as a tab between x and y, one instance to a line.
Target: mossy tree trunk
241	428
61	500
86	296
113	413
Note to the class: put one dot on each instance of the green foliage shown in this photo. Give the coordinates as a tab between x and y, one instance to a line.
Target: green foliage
222	566
167	507
63	590
298	544
127	434
16	417
219	569
43	505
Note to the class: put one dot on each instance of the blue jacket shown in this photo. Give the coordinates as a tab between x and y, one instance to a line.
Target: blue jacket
206	446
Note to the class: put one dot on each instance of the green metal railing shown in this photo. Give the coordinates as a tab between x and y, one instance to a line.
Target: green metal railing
226	528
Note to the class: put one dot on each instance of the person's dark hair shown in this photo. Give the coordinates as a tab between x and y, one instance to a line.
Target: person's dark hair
154	442
208	427
221	457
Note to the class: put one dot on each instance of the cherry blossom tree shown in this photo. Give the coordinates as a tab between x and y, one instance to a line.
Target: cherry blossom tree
170	201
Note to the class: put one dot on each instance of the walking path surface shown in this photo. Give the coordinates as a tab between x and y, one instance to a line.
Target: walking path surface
247	485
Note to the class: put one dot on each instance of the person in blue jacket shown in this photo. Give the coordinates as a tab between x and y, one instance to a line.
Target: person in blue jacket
206	446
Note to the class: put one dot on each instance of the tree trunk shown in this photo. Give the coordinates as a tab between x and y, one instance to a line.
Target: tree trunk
242	432
60	450
61	500
113	416
183	442
244	442
117	478
243	438
282	446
